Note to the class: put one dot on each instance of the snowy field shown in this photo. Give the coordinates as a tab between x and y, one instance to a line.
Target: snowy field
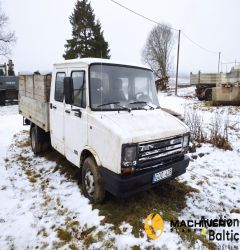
42	207
181	81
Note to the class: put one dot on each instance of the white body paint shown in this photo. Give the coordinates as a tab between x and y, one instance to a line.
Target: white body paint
103	132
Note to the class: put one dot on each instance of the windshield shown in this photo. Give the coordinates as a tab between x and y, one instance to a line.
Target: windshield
114	87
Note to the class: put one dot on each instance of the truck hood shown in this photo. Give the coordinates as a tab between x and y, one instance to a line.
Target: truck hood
141	125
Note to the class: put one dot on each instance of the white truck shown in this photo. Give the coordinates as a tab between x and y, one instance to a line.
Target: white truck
105	118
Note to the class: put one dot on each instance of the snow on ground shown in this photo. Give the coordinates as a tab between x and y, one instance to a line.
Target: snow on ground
215	172
217	176
169	100
44	200
181	81
40	207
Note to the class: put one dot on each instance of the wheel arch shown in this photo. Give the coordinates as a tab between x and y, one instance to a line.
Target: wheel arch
88	151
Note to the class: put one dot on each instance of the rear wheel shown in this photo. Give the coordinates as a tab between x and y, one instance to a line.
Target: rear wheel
92	181
40	140
35	140
208	94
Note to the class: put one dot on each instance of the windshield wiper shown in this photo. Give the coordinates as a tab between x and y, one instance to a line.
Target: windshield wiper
115	103
142	102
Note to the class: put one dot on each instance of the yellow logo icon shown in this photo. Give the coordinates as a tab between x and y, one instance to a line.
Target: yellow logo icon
205	233
154	226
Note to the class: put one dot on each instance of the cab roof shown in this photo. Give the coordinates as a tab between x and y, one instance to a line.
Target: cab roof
88	61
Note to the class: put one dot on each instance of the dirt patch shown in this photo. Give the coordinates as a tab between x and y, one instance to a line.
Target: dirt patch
168	198
64	235
63	165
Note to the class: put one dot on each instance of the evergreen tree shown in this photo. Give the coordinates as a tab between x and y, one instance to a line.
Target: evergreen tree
87	37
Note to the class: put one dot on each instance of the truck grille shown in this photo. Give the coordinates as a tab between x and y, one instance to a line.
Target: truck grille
156	153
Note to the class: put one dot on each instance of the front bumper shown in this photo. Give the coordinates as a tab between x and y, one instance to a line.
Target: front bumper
124	186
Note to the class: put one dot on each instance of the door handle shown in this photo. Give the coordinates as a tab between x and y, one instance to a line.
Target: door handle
52	106
67	111
77	112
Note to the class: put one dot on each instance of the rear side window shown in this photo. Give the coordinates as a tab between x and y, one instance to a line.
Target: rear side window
79	89
59	86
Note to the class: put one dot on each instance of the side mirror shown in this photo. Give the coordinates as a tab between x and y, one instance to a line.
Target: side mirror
68	90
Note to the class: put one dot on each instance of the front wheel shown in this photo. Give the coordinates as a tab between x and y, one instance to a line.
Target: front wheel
92	182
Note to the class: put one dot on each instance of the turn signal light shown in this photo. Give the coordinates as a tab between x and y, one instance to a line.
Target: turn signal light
127	170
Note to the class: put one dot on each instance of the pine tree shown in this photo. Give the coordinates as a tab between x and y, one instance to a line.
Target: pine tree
87	37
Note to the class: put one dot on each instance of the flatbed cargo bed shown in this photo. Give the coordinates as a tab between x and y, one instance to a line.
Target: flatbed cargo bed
34	93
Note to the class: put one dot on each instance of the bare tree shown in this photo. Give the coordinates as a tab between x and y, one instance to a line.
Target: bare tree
7	38
157	50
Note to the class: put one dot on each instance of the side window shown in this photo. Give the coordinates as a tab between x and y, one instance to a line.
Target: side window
79	89
59	87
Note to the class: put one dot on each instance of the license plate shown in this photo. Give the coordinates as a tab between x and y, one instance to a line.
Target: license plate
162	175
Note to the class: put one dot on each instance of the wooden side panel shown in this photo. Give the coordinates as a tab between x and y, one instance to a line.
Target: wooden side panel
22	86
204	78
42	87
212	78
36	111
34	94
29	86
35	86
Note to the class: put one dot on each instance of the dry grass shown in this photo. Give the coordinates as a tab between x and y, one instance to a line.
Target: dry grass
219	129
169	198
221	142
219	132
64	235
194	120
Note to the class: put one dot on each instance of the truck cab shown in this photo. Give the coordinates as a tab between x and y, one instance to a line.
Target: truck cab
105	118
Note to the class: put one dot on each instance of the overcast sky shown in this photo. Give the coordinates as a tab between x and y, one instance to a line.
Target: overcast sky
42	28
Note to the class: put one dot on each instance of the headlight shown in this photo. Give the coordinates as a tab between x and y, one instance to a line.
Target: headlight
186	140
129	155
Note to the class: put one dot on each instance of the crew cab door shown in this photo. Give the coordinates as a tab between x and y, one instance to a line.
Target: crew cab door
57	111
75	118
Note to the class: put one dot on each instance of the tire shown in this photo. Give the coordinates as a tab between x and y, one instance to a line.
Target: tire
40	140
200	98
35	140
92	181
208	94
